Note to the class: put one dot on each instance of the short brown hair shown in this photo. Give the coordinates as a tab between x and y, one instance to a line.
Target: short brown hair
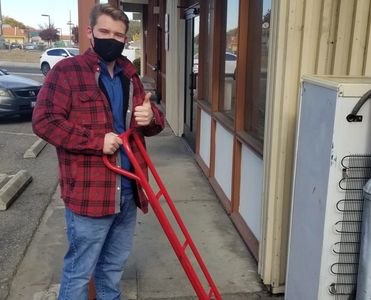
109	10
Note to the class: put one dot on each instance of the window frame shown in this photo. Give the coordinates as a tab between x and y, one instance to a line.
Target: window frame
247	73
253	77
227	119
205	96
244	77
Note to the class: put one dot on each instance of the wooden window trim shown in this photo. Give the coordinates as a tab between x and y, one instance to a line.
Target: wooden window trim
236	174
217	84
205	169
251	142
201	49
225	121
241	73
204	105
253	54
247	234
227	205
222	22
245	60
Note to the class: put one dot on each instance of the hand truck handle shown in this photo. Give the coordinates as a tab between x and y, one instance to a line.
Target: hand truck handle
117	169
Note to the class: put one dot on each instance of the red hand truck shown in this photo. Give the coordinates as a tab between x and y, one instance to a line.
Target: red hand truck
154	200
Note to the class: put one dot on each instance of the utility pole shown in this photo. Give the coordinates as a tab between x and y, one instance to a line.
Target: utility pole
70	24
44	15
1	21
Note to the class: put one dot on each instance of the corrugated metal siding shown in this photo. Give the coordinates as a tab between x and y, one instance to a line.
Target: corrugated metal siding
329	37
335	35
345	46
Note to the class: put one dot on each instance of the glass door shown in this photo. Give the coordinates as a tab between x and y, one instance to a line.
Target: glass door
191	73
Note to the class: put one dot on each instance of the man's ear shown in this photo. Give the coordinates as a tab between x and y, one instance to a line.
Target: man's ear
89	32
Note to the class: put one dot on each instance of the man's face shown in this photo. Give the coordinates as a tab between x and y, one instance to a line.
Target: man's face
107	28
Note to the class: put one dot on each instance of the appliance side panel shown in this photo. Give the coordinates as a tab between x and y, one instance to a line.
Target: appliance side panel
313	158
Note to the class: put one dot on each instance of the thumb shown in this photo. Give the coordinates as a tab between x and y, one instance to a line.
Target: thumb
147	98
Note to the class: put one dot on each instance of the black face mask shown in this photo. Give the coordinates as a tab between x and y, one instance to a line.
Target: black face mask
108	49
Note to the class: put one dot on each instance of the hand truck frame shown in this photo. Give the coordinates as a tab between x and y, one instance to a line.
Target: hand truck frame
154	200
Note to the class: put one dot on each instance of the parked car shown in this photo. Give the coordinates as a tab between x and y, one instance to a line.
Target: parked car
15	46
230	63
29	46
17	94
3	44
51	56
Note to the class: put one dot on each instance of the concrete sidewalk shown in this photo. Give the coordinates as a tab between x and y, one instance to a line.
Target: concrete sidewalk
153	271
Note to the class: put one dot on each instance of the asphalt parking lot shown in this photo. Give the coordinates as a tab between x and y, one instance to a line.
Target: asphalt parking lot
19	222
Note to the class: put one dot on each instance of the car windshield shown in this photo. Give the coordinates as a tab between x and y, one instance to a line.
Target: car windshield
73	51
230	56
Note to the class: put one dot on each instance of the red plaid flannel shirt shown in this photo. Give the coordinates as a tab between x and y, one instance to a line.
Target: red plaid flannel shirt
73	114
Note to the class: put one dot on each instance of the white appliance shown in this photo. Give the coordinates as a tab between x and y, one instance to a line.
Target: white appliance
333	161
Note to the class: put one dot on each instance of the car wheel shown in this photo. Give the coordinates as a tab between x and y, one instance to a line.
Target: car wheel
45	68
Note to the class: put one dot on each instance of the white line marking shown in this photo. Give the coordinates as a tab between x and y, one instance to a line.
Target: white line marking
25	74
18	133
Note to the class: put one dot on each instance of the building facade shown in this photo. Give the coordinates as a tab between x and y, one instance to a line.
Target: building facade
228	74
14	34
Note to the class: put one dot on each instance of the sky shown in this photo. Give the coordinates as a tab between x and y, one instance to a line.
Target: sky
233	6
29	12
233	10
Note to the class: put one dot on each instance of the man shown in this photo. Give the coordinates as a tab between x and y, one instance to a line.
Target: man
84	103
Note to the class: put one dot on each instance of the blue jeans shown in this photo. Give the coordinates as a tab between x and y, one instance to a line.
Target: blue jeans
99	246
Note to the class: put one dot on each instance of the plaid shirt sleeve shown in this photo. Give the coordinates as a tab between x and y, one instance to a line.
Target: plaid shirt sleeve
50	117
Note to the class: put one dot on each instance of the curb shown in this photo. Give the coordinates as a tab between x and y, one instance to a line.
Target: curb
15	185
35	149
3	179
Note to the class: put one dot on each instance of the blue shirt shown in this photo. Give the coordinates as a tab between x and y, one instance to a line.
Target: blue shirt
116	97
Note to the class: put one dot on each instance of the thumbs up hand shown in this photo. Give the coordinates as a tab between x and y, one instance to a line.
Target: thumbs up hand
143	113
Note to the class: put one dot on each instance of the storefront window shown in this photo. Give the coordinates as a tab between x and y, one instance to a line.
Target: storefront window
208	51
230	58
258	45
